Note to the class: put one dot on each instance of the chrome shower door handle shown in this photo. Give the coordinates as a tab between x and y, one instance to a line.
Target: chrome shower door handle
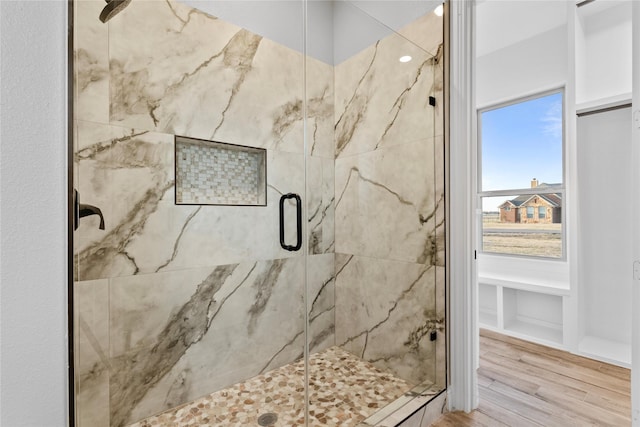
298	201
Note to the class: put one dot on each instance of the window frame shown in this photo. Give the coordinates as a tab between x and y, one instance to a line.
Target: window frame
480	194
530	212
542	209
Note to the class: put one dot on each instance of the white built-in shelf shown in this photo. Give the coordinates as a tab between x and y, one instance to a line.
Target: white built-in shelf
533	314
609	351
488	318
603	50
520	312
535	332
547	288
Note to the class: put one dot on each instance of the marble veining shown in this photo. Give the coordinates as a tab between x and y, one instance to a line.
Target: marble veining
176	245
321	301
320	109
403	98
106	157
264	286
131	377
176	336
354	110
320	205
382	102
385	202
198	76
385	311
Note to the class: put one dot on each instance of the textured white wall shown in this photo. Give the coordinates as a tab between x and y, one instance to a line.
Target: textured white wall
33	214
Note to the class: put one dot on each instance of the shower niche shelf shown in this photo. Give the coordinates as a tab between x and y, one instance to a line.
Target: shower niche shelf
216	173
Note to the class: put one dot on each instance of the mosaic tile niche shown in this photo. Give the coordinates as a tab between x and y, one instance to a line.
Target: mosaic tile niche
214	173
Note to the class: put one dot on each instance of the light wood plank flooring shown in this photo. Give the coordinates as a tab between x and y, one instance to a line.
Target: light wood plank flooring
524	384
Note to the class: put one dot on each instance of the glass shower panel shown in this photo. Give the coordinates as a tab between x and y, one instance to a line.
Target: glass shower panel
375	185
191	306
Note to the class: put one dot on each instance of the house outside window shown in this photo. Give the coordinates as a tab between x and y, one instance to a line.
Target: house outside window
519	140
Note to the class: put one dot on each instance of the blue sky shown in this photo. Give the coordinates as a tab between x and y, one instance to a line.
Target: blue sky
521	142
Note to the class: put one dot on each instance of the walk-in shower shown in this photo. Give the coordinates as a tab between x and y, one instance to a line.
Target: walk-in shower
270	177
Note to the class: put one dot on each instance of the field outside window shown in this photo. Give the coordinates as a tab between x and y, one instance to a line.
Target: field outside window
521	177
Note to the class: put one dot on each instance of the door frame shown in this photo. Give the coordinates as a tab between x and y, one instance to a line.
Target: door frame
461	161
635	327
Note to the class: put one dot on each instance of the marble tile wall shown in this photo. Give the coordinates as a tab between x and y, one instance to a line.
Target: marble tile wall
389	212
177	301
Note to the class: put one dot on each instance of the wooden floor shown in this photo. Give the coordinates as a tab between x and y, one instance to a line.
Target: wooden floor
524	384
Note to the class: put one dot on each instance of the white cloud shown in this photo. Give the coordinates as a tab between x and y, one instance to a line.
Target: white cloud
552	120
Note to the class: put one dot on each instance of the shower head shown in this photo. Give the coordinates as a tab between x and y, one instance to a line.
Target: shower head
112	8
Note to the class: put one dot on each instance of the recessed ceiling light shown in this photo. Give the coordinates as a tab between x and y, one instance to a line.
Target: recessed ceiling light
439	11
405	58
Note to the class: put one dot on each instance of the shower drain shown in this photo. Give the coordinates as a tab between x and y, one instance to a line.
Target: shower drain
268	419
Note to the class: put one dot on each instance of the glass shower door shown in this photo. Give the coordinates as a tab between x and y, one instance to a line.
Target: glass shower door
375	130
190	265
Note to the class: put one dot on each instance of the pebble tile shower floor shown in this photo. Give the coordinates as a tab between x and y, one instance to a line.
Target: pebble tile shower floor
344	391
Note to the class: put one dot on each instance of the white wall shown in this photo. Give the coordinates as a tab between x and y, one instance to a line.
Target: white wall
503	23
531	65
33	214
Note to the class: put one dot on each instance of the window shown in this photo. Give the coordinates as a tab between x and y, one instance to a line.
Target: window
521	161
542	212
529	212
